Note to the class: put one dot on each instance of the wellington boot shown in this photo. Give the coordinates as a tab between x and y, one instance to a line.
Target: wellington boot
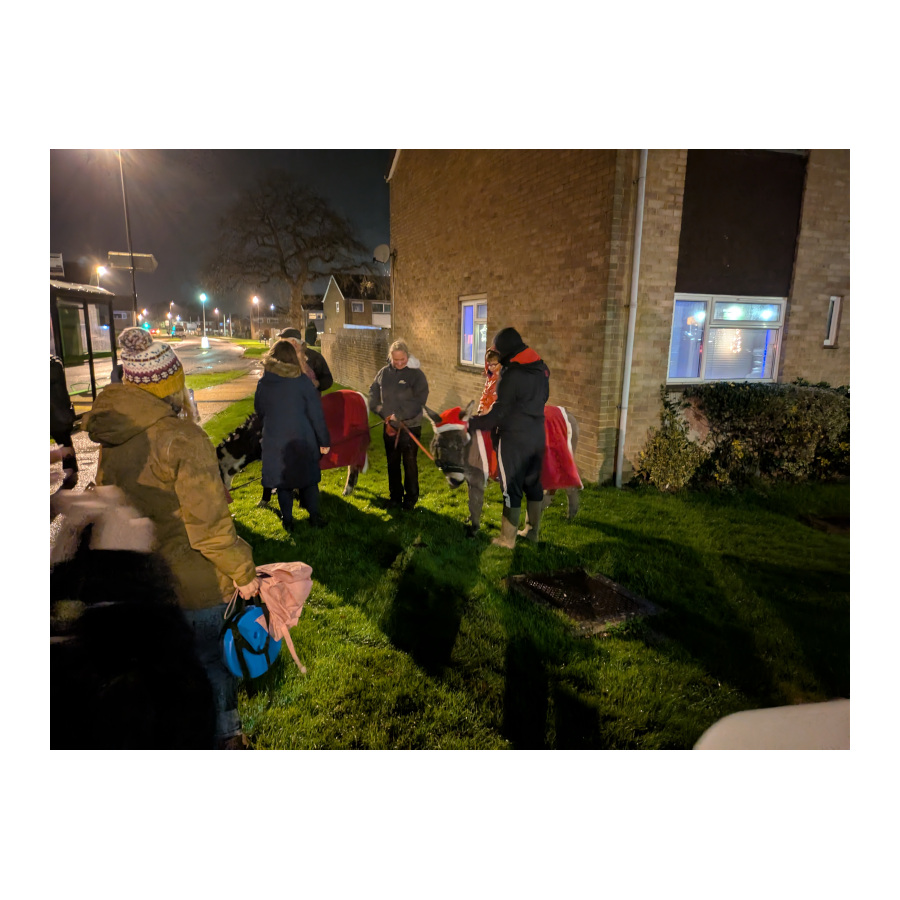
508	528
533	511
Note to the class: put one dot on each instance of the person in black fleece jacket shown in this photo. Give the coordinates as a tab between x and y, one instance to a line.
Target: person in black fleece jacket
518	416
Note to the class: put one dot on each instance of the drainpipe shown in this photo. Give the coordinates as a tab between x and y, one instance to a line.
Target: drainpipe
632	316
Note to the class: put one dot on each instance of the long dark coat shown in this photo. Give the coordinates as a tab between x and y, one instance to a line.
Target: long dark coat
293	427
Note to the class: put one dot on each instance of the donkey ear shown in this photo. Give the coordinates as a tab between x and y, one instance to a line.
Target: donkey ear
467	411
435	417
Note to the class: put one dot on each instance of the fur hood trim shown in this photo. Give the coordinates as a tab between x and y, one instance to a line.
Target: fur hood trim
285	370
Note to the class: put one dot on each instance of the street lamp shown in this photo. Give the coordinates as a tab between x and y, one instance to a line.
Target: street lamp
216	311
256	304
128	239
205	342
101	270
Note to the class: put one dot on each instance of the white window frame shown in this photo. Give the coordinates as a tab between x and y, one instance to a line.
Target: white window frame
711	323
474	301
357	306
381	308
834	318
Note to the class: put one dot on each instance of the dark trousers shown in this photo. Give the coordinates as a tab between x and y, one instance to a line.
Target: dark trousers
520	459
309	500
403	452
206	624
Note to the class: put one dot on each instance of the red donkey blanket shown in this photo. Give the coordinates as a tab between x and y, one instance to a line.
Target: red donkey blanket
347	418
559	471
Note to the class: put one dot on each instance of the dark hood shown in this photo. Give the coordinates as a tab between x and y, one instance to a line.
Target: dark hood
508	343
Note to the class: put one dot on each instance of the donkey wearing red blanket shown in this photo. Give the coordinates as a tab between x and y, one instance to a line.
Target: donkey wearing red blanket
470	458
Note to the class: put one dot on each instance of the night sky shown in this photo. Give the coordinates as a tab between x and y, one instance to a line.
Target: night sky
175	198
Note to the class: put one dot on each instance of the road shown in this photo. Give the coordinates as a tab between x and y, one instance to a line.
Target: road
220	356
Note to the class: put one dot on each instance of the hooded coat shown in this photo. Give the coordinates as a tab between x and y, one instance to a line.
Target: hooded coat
293	426
522	390
518	417
168	470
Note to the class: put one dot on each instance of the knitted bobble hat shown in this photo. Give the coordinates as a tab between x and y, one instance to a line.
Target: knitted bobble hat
148	364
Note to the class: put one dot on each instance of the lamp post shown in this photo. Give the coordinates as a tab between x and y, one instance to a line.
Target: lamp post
128	238
256	304
204	343
100	270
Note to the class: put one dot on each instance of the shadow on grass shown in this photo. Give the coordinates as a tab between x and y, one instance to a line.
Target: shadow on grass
821	631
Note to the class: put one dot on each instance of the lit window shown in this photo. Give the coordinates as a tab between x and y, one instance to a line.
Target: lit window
473	330
725	338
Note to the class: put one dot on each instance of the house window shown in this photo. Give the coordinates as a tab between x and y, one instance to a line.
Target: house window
473	330
357	306
381	308
722	338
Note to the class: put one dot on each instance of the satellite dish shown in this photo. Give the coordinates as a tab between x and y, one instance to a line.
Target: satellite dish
382	253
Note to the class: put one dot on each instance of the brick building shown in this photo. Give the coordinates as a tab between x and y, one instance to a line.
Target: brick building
744	274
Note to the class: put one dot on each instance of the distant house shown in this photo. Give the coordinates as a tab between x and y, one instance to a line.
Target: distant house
626	270
357	301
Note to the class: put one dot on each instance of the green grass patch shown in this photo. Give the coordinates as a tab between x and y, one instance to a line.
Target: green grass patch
252	349
412	640
211	379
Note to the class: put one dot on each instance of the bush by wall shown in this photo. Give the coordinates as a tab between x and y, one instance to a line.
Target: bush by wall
669	459
793	432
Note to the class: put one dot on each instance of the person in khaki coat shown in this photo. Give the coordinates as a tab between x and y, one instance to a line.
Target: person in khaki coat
155	452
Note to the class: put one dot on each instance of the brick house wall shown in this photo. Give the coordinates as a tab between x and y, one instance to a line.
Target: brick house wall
532	231
821	270
663	201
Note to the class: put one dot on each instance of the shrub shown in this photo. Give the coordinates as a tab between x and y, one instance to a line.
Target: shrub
796	431
669	458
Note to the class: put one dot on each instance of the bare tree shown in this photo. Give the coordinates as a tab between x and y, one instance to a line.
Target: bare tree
281	232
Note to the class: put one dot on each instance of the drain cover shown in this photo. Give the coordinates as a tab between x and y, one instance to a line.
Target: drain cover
594	603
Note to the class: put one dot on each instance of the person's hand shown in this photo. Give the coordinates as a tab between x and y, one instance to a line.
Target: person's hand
324	450
249	590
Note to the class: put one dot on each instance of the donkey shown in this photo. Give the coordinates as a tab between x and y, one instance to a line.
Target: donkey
470	459
347	418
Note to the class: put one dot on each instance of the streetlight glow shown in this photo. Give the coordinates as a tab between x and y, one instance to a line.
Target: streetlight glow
204	343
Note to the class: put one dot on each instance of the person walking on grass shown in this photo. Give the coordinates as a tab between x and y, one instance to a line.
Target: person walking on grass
398	394
152	448
294	433
518	417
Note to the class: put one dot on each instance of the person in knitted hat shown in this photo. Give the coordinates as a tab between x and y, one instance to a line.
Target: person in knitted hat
518	417
165	464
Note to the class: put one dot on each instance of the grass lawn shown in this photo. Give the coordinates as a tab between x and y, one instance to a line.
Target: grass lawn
411	639
211	379
252	349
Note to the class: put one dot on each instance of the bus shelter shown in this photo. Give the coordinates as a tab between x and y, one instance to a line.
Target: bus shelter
82	335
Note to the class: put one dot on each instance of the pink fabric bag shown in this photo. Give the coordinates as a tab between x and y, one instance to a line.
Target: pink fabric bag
284	588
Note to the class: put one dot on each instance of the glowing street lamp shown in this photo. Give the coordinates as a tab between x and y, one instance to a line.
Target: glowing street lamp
205	342
256	304
216	311
100	270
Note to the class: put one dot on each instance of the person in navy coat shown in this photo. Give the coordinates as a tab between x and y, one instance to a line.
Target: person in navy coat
294	433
